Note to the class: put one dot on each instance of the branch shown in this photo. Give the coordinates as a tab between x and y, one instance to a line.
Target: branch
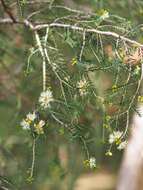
36	26
6	21
92	30
7	10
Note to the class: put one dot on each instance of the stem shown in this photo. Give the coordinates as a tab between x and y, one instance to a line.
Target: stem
33	158
43	57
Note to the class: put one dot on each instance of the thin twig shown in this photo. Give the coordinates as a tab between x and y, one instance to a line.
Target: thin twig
33	158
43	58
83	45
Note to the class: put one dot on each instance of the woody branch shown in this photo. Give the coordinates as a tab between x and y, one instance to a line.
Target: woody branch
34	26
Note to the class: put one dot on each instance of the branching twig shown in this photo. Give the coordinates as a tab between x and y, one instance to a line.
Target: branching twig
34	26
83	45
91	30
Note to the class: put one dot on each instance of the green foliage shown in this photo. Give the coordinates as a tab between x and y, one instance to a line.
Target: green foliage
81	85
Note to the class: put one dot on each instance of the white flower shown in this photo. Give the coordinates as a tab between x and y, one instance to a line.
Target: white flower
41	123
111	138
39	127
25	125
45	98
92	162
31	116
122	145
115	136
82	85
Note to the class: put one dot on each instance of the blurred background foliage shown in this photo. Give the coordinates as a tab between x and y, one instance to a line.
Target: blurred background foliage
59	159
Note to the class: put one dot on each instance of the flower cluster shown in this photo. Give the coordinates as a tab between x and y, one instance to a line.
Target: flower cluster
104	15
74	61
25	123
114	88
46	98
122	145
30	122
108	153
39	127
82	86
140	99
90	163
115	137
